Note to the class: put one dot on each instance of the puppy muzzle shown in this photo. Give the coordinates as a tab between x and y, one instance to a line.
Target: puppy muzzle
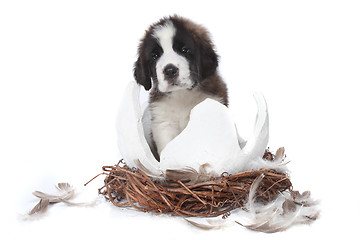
171	73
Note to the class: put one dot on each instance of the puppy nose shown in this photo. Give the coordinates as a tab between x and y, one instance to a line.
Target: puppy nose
171	71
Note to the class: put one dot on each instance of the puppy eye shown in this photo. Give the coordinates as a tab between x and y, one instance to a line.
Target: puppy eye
185	50
155	56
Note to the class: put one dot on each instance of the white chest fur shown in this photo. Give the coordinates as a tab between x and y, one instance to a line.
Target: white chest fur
171	114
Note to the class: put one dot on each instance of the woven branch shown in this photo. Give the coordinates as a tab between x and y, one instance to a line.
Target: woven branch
127	187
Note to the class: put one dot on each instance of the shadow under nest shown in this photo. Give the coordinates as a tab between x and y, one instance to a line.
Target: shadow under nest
132	187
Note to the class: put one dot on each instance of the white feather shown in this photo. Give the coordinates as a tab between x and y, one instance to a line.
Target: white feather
252	192
288	209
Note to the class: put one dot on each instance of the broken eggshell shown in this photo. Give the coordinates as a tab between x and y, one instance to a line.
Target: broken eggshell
210	139
131	140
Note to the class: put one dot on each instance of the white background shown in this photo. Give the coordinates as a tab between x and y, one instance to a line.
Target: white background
64	66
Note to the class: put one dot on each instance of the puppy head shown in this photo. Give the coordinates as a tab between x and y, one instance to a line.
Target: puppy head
174	54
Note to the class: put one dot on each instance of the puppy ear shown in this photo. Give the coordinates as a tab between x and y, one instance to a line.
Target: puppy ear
208	59
142	73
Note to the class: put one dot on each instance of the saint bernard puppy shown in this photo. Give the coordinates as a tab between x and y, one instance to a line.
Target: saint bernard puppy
178	64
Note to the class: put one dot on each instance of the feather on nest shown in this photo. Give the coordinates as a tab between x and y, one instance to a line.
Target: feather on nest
266	195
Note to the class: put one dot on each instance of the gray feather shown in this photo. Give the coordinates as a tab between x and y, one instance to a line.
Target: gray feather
190	175
288	209
66	193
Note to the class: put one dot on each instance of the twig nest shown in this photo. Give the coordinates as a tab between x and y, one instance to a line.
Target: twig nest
210	143
129	187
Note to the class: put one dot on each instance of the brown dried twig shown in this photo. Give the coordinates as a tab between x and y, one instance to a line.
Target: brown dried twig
128	187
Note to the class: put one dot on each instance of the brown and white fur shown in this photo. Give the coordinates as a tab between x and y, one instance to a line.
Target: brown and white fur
177	62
